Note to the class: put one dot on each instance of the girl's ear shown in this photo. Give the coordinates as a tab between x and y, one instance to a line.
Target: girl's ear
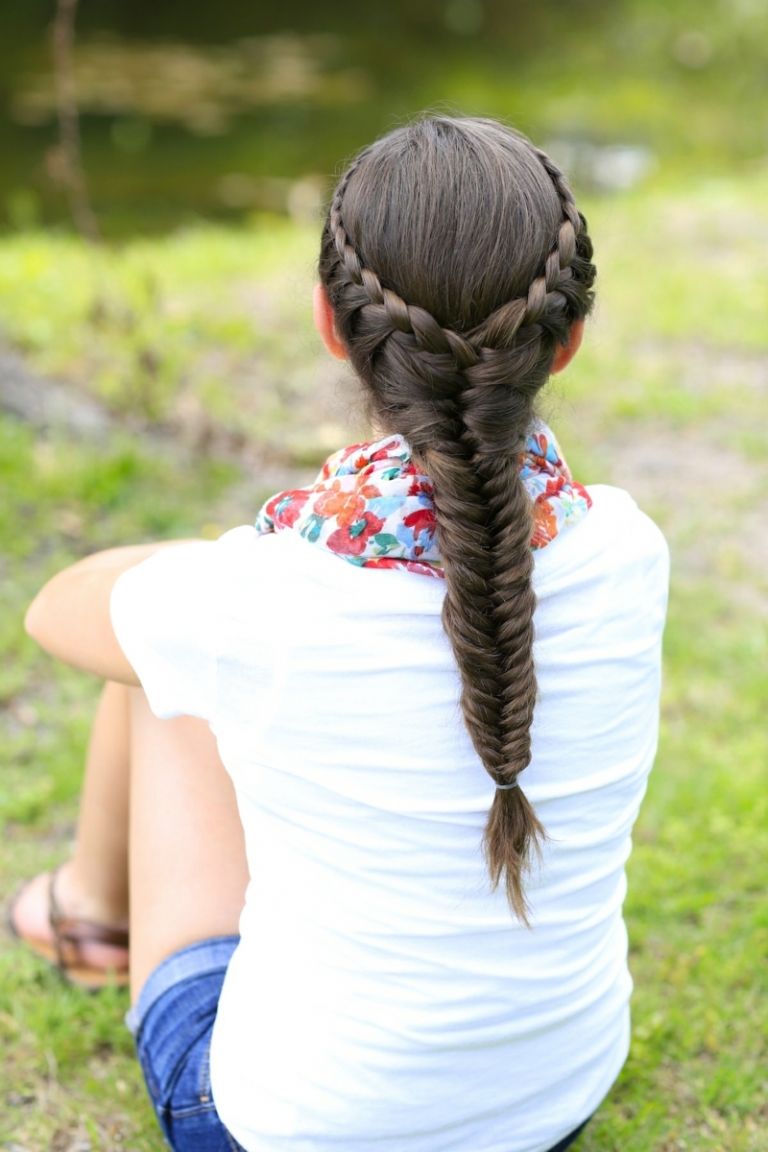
324	322
566	352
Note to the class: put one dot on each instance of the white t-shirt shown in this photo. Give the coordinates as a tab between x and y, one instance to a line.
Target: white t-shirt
382	996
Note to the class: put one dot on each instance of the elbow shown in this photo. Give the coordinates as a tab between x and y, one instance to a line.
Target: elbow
33	621
40	622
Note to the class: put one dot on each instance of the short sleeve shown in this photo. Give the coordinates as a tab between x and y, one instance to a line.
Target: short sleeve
164	614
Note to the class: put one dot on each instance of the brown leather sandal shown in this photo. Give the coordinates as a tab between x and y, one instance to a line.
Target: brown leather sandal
70	933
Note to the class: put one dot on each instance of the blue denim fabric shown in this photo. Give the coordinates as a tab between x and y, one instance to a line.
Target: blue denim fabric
173	1022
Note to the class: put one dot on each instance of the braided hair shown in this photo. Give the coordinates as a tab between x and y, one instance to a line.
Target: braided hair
455	262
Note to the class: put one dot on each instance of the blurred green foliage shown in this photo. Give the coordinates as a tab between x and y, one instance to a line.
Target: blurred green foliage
221	111
668	398
199	346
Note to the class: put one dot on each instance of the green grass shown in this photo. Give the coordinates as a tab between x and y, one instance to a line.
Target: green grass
668	398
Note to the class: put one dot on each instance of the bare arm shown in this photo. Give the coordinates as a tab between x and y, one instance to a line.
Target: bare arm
70	616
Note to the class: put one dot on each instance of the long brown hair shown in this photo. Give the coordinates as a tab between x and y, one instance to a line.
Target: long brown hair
455	262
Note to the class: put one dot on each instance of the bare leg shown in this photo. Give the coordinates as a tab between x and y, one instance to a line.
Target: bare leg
187	861
93	884
97	876
188	871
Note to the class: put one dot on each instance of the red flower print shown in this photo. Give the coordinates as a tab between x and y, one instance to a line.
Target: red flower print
544	524
423	519
285	508
384	450
553	487
421	486
345	505
351	539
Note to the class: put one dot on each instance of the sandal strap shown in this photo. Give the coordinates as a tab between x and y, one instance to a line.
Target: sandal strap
70	932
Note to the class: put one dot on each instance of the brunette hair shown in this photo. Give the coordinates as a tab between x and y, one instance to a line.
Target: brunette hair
455	262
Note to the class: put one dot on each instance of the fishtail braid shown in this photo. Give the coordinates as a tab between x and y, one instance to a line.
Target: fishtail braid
452	330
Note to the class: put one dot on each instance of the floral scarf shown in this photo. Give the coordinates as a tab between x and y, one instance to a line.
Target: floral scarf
371	505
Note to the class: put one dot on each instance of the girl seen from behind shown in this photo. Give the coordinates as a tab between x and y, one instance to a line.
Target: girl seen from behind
383	909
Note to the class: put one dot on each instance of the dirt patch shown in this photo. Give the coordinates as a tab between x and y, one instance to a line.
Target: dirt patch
45	403
709	500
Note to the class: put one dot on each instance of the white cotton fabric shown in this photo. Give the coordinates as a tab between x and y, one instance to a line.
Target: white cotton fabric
382	996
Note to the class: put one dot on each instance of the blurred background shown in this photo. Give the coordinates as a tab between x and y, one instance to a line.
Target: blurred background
163	172
197	110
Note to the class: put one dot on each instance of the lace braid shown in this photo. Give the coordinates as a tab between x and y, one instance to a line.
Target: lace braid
463	397
401	317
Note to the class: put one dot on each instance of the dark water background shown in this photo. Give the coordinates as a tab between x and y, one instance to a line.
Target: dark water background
218	110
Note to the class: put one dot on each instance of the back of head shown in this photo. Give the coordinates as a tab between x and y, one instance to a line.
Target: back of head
455	262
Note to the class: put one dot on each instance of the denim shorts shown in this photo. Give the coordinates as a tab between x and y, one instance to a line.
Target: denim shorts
172	1022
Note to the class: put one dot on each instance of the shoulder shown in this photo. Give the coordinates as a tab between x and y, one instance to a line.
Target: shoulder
615	534
613	564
